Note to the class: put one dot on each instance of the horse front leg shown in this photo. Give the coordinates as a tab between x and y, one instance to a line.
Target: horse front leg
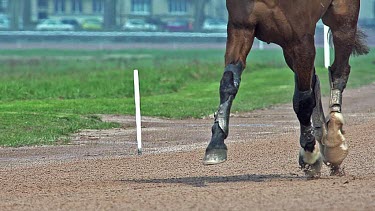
306	102
305	105
216	151
239	43
310	160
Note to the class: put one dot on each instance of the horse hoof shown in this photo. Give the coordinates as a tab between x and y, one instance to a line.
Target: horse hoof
215	156
337	171
311	170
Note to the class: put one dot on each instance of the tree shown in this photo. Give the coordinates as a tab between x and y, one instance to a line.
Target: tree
14	7
26	16
109	17
199	13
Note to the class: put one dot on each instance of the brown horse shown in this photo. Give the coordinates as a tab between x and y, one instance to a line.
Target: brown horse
291	24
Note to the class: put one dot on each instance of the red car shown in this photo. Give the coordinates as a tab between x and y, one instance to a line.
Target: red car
179	25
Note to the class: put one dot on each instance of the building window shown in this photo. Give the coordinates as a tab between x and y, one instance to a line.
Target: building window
177	6
97	6
59	6
43	4
141	7
77	6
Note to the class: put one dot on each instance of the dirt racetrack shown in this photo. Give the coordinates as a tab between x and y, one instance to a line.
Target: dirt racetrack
100	170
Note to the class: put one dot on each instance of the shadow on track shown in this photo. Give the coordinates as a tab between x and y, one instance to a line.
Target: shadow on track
203	181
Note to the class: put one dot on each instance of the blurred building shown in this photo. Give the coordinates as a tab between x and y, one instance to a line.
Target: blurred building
43	9
163	9
3	6
367	9
148	9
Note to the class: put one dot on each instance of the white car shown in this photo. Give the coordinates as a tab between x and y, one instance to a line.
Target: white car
4	22
138	25
54	25
214	25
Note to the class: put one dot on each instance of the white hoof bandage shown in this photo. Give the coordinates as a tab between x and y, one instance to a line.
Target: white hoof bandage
335	146
310	157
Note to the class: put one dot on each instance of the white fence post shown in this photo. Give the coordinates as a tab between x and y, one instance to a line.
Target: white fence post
327	61
137	111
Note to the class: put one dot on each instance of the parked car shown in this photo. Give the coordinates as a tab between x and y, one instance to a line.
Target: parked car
214	25
160	25
92	24
138	25
53	25
4	23
178	25
73	22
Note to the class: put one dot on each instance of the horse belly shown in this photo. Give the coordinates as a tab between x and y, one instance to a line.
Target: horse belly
273	28
270	33
284	22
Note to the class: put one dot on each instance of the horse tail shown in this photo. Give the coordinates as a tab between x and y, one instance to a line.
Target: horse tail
360	46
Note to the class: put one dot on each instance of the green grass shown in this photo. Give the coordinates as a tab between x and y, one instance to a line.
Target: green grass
45	95
22	128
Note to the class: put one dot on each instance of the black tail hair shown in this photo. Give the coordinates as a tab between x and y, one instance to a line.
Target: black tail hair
360	46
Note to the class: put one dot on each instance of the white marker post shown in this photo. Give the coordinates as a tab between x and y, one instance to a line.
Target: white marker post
326	47
137	111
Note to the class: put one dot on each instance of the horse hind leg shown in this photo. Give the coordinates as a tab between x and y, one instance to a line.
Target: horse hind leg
335	145
342	19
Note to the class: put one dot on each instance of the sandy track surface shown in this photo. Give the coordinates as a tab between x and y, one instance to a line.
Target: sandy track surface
100	170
